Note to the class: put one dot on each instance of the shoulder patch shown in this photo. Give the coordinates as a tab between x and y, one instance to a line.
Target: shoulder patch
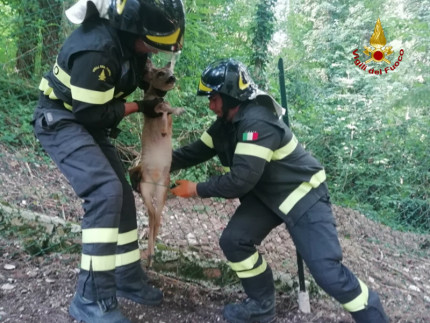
250	136
102	71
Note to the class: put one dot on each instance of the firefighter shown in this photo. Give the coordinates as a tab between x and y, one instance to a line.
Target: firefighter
277	181
82	100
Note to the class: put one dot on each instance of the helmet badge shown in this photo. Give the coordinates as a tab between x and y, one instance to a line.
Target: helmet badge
242	85
120	4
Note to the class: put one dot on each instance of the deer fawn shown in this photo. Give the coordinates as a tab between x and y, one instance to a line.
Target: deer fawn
152	175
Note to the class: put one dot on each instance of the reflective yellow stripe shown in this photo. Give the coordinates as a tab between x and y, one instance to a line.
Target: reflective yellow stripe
81	94
301	191
61	75
100	235
253	150
207	140
286	150
68	106
246	264
204	88
106	263
98	263
118	95
167	40
360	302
46	89
253	272
44	85
91	96
126	258
124	238
226	169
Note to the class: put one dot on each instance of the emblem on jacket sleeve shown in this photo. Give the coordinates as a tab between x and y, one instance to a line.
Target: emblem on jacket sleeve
102	71
250	136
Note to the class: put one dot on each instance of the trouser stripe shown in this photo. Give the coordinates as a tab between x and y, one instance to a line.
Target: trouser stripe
127	237
100	235
126	258
360	302
248	268
253	272
106	263
246	264
98	263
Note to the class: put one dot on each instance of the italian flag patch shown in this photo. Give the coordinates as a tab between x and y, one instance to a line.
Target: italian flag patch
250	136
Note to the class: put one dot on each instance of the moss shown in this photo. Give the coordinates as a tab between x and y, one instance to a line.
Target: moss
189	265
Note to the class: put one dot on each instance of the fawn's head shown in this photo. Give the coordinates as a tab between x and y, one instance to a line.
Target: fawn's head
160	80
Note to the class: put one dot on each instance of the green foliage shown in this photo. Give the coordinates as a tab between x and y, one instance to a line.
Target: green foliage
262	29
370	132
16	113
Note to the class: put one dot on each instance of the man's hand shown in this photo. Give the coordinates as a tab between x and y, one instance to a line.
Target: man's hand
184	188
147	107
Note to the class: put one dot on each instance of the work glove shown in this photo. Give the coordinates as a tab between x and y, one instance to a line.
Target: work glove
147	107
184	188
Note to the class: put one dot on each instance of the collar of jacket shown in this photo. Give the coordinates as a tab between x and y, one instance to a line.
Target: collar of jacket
253	109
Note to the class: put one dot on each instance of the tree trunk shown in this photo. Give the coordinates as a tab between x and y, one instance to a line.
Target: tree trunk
51	14
26	40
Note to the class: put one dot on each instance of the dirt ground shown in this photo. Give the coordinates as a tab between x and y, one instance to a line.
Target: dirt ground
39	289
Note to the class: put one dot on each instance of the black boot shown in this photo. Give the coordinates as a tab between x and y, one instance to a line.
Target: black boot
140	292
250	311
131	283
102	311
373	313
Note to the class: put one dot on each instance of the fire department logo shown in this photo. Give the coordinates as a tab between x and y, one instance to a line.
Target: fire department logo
378	41
377	52
103	72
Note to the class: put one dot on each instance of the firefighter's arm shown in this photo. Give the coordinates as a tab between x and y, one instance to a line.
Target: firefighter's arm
256	142
193	154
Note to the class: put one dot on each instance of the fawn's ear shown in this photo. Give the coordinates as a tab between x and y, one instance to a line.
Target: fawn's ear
168	66
148	72
148	63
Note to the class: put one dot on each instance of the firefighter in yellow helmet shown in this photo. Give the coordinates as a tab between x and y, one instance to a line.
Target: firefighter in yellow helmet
277	181
82	100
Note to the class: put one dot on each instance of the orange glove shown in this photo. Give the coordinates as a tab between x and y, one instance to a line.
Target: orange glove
184	188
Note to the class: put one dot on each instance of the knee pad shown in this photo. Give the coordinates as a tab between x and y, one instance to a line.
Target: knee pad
235	248
227	243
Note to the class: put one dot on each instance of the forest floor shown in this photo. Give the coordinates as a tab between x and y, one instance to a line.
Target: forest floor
40	288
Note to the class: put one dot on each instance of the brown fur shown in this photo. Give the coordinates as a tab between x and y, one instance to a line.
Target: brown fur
153	172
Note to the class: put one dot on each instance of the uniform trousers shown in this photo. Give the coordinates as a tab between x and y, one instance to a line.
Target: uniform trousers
315	238
93	168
